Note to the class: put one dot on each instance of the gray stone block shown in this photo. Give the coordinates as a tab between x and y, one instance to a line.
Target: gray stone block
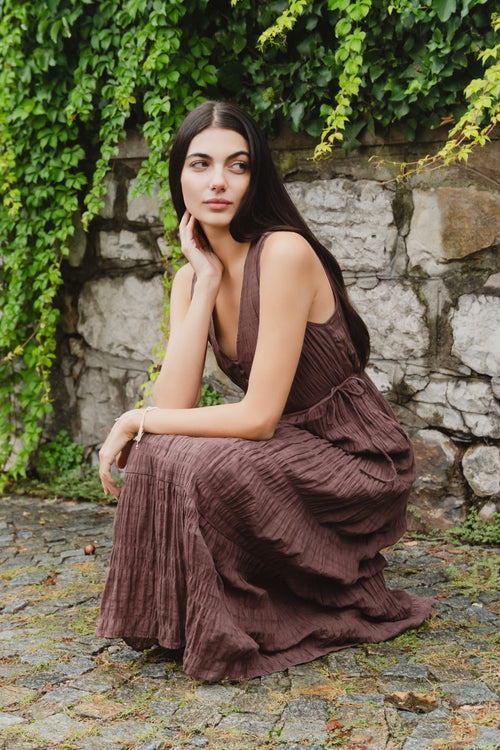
481	465
466	694
308	709
412	671
247	723
55	728
426	734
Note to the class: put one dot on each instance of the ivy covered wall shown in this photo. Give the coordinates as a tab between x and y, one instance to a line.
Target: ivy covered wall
76	74
422	265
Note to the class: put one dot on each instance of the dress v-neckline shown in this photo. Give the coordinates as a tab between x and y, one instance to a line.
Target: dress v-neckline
238	330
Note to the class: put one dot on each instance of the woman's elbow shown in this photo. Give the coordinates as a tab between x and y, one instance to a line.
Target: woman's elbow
266	433
259	423
262	429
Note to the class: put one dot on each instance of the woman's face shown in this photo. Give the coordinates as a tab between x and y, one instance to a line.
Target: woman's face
215	176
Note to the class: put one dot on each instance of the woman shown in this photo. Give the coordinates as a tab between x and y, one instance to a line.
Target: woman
249	533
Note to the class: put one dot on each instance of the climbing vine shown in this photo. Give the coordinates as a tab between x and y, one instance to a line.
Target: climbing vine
477	123
72	73
75	75
427	72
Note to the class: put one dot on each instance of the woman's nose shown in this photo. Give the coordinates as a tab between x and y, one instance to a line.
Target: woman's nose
218	181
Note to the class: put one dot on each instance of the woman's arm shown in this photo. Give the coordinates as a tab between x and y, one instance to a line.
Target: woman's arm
287	290
179	382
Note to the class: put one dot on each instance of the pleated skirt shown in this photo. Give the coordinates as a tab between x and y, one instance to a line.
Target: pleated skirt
254	556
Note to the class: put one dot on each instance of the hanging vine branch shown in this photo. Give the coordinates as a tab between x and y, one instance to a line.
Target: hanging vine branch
349	54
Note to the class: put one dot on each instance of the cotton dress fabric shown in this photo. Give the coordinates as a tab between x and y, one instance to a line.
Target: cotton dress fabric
257	555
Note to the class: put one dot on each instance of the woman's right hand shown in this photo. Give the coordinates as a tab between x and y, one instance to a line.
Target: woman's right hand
200	255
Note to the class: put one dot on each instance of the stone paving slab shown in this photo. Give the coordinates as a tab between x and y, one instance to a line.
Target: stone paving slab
62	687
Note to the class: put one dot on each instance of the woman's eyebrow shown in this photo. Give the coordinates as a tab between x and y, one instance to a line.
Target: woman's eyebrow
207	156
199	155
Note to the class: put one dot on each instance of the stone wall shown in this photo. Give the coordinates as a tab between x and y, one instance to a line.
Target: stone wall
421	262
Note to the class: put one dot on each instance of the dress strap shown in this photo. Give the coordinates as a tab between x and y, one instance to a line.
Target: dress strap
253	272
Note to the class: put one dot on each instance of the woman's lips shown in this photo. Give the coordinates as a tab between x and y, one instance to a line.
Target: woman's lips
218	204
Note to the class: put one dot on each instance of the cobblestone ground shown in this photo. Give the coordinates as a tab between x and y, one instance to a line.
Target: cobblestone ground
61	687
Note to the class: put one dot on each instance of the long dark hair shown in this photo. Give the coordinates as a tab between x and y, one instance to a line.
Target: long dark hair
266	205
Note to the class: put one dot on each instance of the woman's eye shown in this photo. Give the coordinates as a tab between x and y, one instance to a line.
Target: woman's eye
240	166
200	164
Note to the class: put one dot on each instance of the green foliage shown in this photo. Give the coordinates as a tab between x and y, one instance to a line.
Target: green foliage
283	24
70	77
481	574
400	63
477	530
59	456
209	396
351	40
79	483
476	124
76	74
58	470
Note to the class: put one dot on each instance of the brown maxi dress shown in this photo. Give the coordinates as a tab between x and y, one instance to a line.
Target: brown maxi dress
258	555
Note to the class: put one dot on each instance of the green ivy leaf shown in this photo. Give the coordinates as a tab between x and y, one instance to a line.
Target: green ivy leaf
445	8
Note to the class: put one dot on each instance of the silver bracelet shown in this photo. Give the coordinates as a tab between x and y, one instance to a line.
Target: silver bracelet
140	431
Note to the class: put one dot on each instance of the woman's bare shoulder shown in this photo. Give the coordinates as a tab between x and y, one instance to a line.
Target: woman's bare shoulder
288	247
185	273
182	285
184	277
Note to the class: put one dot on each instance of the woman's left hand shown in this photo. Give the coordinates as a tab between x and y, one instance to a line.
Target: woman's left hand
117	447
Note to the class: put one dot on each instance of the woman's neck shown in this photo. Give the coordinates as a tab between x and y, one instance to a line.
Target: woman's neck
228	250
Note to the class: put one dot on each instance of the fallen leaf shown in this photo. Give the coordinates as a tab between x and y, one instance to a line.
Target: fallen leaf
21	548
336	726
420	703
333	724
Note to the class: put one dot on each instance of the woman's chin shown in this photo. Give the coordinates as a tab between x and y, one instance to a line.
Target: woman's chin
215	223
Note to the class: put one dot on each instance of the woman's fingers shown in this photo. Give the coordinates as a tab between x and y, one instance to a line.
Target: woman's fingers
116	447
109	483
186	218
196	249
110	487
189	243
122	457
186	226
